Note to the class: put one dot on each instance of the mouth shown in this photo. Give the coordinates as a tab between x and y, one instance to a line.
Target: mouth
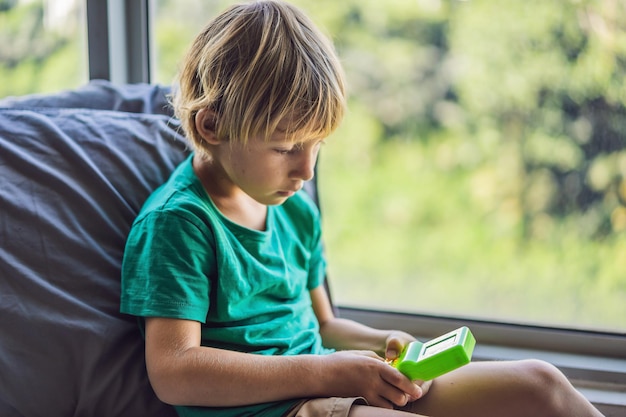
290	191
287	193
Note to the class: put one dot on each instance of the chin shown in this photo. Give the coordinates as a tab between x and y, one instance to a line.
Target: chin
271	200
277	200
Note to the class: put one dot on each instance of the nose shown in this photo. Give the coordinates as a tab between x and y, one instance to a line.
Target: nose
304	167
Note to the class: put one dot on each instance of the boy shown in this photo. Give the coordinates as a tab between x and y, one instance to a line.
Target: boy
225	260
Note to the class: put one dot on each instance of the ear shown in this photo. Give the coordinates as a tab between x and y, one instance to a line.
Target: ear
206	121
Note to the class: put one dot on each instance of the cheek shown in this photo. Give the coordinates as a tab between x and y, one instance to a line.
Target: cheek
242	162
255	168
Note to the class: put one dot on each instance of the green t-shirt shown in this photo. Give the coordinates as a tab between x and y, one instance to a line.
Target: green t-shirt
248	288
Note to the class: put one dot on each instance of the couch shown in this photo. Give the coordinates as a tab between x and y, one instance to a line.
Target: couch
76	167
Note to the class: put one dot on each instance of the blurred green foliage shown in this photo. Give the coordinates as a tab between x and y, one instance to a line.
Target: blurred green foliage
40	55
481	169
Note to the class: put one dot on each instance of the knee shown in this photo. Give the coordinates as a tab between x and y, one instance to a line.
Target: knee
541	373
546	385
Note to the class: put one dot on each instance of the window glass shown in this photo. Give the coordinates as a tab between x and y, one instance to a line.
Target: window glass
175	25
43	46
481	169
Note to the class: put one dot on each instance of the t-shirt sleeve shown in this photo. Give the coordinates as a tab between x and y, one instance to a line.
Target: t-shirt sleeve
168	262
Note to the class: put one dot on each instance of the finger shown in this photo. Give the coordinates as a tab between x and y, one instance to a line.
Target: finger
402	386
420	394
424	386
368	353
382	402
391	397
394	347
398	398
399	389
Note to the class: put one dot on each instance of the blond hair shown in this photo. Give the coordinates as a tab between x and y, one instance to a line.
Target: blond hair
257	65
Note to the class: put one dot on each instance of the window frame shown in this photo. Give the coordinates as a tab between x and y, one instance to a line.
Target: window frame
118	40
120	50
595	362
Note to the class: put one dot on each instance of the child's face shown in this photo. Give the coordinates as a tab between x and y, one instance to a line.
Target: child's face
270	171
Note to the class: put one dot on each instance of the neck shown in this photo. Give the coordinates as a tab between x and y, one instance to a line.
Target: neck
229	199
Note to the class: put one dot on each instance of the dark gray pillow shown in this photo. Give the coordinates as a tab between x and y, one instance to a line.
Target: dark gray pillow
72	181
102	95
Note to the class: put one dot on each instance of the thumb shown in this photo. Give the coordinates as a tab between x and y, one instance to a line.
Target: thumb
394	347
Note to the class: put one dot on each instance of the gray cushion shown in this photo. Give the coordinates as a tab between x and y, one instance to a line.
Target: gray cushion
73	180
102	95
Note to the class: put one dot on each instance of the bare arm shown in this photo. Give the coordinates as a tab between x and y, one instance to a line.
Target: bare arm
342	334
184	373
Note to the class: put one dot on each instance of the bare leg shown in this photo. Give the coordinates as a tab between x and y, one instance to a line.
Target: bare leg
496	389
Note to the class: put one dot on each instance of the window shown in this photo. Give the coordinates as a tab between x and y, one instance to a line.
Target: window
176	24
481	170
43	46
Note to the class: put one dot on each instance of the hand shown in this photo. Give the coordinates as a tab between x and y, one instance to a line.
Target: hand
424	386
365	374
395	343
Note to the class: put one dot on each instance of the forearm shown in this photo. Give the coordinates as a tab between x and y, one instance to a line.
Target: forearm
342	334
184	373
217	378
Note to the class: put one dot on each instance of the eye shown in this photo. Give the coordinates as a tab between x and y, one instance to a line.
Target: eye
295	148
284	151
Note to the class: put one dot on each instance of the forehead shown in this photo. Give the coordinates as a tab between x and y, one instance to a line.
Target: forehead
296	137
289	131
